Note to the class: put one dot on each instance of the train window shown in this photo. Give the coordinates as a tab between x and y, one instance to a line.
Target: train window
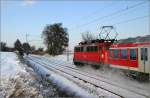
116	53
81	49
124	53
110	53
144	54
95	48
133	54
77	49
87	49
84	49
91	49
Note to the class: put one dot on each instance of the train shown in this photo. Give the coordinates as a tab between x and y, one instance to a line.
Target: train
132	57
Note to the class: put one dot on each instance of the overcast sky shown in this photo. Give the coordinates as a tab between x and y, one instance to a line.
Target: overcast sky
130	18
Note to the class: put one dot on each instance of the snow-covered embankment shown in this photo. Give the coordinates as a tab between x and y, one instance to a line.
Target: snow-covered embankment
15	81
62	83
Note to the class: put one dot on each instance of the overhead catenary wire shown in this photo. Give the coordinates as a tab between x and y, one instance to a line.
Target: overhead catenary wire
113	18
89	15
34	40
111	14
93	13
133	19
129	20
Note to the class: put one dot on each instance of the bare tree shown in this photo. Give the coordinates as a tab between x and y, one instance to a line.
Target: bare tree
87	36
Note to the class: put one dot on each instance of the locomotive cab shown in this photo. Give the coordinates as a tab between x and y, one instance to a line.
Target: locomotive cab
93	52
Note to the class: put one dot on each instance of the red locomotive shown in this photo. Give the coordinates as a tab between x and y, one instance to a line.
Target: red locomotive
134	57
94	52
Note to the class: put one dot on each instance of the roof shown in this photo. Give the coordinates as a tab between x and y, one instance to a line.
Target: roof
130	44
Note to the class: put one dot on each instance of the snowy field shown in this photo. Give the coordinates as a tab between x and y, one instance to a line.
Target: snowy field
19	81
61	57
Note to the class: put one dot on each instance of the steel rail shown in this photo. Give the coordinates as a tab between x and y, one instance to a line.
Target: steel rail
54	68
88	75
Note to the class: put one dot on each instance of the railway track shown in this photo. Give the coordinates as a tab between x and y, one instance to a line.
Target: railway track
63	64
109	87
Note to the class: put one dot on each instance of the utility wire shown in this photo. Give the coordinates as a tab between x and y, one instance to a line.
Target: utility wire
34	40
92	13
130	20
95	12
133	19
111	14
112	18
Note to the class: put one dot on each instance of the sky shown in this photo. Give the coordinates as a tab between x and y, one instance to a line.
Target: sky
21	17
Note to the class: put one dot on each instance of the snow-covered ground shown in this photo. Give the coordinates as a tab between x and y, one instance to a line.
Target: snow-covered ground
112	76
14	78
61	57
19	81
64	85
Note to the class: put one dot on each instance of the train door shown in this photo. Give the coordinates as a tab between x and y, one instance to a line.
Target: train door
144	59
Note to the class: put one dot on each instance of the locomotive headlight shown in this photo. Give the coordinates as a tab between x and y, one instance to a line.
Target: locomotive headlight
102	56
